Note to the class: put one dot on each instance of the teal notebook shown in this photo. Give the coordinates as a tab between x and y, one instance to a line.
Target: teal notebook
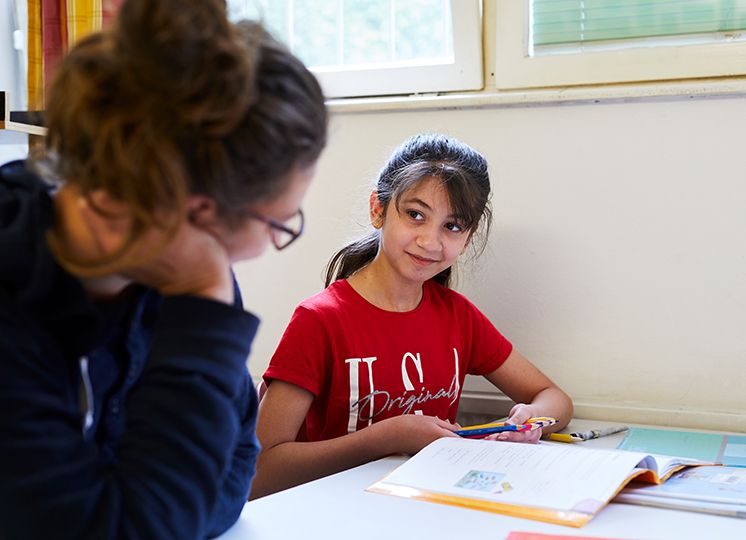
725	449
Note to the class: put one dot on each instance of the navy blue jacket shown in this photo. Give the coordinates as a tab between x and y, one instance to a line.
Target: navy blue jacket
132	417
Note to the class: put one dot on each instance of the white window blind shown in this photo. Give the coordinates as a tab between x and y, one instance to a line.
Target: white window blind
559	43
581	21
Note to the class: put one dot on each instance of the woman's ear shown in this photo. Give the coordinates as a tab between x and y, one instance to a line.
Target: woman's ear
202	211
376	211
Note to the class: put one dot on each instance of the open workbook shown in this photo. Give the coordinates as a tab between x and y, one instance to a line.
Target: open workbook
556	483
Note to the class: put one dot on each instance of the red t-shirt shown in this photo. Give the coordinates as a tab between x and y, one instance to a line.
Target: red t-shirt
364	364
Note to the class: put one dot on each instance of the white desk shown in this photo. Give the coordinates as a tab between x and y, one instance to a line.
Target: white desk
338	507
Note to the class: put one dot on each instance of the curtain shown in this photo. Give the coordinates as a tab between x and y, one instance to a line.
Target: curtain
35	63
53	27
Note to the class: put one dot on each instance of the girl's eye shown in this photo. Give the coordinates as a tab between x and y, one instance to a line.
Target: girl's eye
414	214
454	227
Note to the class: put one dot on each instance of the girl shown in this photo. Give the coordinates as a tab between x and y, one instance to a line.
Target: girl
375	363
183	143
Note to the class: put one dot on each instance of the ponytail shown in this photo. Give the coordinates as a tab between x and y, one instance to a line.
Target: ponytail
352	257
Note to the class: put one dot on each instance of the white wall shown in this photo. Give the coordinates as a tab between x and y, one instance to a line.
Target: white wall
617	262
11	19
12	145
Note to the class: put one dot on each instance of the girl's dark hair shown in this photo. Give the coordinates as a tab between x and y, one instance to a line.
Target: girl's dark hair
175	100
460	169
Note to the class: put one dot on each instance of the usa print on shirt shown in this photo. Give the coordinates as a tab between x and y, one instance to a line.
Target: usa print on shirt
365	408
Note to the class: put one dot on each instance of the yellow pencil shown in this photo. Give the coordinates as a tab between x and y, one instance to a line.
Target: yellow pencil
539	419
563	437
482	426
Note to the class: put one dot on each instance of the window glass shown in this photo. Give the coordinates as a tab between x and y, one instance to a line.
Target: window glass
349	42
582	21
558	43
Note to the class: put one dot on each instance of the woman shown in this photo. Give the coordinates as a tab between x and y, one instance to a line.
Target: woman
180	143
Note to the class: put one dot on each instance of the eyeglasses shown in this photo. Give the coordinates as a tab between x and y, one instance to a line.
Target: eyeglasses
283	233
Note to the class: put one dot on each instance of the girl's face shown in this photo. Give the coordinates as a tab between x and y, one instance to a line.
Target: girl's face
423	237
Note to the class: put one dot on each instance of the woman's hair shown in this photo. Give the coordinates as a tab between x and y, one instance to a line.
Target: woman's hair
176	100
460	169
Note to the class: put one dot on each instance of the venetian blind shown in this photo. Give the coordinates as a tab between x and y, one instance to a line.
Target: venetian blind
556	22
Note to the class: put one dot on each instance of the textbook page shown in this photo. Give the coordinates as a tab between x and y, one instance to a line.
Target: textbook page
555	483
667	465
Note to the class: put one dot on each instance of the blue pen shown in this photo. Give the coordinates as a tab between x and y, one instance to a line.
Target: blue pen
485	429
488	430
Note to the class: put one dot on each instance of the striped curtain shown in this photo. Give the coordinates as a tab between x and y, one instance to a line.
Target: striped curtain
53	26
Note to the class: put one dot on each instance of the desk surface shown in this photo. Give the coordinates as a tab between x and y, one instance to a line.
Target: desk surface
338	507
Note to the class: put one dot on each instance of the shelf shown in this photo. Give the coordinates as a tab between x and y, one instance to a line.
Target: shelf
31	122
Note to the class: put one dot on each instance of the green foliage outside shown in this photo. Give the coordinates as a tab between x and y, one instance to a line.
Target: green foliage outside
355	32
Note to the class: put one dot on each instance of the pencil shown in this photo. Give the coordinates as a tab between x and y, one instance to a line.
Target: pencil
495	427
483	426
563	437
580	436
481	431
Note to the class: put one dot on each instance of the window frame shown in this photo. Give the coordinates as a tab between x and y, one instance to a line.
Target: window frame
515	69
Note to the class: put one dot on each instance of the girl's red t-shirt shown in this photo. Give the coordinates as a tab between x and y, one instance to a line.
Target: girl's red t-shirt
364	364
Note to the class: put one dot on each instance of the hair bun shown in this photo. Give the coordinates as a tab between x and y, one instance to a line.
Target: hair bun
185	53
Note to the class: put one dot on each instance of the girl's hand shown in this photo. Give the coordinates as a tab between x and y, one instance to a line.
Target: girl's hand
518	415
410	433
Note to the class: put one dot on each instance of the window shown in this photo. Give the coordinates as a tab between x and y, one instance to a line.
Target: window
378	47
545	43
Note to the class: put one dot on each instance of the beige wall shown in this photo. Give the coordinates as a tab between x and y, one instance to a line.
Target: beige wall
617	261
